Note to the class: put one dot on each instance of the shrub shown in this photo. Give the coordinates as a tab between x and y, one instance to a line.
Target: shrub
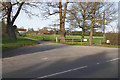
114	38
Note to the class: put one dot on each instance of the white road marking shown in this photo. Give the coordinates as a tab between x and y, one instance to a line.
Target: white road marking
113	60
61	72
45	58
98	63
71	70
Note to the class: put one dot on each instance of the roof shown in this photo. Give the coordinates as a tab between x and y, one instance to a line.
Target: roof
21	29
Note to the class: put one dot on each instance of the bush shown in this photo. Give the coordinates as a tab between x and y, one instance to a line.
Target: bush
114	38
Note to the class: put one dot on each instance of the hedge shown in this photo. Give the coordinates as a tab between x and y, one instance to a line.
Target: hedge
114	38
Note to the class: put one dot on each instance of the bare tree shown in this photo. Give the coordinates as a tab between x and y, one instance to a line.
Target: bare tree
10	13
109	15
106	14
102	14
92	23
78	15
7	9
62	21
95	14
57	7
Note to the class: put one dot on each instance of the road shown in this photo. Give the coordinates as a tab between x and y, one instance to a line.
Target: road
54	60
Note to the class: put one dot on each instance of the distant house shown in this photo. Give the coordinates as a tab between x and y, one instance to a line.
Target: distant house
21	31
46	32
32	32
37	32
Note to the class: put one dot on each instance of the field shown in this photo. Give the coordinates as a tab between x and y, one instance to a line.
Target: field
97	40
12	44
53	37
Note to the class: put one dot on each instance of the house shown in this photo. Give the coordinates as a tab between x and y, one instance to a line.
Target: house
20	30
32	32
38	32
46	32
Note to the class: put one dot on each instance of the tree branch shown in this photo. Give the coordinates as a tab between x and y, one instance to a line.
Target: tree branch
17	13
9	10
54	13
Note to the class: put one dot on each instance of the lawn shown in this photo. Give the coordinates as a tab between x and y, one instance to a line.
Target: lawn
52	38
12	44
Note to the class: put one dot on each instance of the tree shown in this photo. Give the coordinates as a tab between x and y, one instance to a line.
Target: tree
7	11
43	30
10	14
95	17
109	15
102	14
51	8
92	24
30	29
62	21
78	16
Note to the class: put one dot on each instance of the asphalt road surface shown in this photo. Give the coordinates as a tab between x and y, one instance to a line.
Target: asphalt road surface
54	60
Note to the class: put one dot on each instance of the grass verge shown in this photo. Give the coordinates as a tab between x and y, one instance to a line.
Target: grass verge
12	44
51	38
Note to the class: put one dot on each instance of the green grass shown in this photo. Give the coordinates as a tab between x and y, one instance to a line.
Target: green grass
96	40
12	44
51	38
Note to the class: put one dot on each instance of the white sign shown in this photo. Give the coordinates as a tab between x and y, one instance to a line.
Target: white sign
108	41
85	40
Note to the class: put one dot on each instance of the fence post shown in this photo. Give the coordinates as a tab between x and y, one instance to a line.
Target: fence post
56	39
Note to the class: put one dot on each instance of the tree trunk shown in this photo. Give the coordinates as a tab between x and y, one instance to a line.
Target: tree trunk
62	21
11	32
60	15
83	30
91	34
104	26
62	36
92	24
10	22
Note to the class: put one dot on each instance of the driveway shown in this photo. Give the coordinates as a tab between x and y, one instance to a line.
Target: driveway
54	60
